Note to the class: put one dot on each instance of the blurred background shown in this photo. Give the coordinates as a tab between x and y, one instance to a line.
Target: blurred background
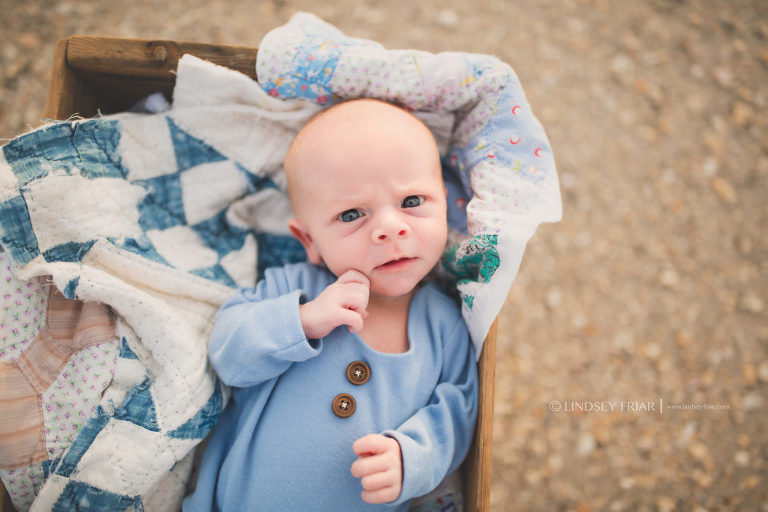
633	349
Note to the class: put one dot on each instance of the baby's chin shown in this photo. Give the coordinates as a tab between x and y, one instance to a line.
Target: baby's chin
394	289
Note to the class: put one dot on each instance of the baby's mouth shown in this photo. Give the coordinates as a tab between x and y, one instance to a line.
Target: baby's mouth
395	265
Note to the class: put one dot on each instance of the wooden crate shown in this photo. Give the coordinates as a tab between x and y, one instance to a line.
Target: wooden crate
108	75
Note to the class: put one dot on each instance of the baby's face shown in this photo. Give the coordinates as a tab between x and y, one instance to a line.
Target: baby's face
373	200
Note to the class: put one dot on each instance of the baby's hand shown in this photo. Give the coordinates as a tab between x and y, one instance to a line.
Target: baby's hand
342	303
379	466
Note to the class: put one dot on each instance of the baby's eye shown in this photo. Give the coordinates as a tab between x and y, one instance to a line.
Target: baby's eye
412	201
350	215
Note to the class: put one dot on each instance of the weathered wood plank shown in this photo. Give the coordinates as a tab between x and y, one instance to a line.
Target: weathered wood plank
151	58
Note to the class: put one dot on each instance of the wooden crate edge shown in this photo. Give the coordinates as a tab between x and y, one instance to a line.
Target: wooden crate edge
151	57
477	470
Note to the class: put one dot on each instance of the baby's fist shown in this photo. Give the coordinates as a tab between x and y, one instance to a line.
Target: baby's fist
379	466
341	303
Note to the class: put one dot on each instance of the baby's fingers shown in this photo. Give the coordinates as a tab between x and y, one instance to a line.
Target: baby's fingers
349	317
354	276
356	298
377	481
372	444
378	467
385	495
369	465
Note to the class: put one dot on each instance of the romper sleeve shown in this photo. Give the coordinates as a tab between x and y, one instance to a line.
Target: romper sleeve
435	440
257	333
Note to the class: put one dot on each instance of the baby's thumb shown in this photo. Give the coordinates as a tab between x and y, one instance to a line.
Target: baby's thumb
368	445
354	276
351	318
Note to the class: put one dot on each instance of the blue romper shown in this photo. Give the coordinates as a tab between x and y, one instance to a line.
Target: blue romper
280	445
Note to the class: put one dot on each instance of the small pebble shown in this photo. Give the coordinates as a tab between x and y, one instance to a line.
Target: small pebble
652	351
743	440
749	374
710	167
554	298
762	372
752	401
723	189
665	504
623	341
626	482
567	180
645	444
699	451
751	303
701	478
533	477
686	435
622	65
723	76
751	482
742	113
64	8
586	445
741	458
669	278
448	18
683	339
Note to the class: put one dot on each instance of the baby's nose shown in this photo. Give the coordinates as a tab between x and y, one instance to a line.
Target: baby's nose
390	228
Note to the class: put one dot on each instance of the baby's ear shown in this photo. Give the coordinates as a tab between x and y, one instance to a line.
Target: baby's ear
302	235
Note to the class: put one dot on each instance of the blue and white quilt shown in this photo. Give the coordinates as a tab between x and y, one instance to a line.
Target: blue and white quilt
160	216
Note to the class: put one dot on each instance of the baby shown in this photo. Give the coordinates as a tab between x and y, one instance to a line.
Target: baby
348	373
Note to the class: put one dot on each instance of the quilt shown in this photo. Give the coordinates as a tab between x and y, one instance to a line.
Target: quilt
159	216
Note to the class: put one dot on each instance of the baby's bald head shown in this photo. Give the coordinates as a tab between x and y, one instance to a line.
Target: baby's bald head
356	130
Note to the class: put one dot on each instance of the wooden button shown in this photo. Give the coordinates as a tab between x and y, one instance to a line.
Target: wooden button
358	373
343	405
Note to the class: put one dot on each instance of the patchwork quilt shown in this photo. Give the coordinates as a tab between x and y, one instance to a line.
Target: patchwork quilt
159	216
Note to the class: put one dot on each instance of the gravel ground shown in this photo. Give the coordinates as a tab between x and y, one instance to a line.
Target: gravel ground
649	295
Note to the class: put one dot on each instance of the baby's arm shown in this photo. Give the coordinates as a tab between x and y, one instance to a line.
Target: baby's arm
379	466
260	332
435	440
257	333
342	303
